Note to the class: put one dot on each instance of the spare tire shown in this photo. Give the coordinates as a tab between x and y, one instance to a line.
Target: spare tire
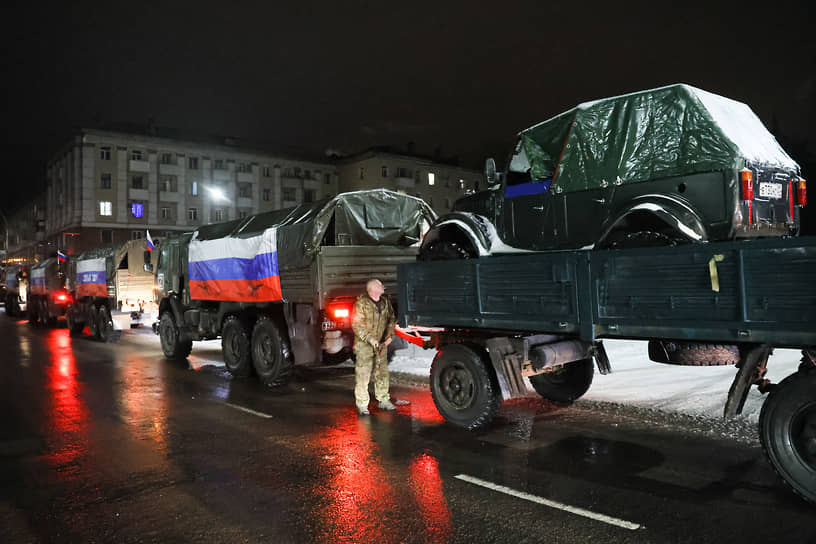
693	353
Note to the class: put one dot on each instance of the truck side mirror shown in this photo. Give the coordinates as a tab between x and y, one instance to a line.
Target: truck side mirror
148	266
490	171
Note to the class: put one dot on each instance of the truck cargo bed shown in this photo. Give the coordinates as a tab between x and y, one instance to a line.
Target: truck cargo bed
759	291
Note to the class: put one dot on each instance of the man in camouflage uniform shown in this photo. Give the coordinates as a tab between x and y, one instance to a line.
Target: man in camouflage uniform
373	325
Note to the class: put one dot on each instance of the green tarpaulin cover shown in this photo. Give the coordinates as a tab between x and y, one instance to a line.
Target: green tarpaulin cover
664	132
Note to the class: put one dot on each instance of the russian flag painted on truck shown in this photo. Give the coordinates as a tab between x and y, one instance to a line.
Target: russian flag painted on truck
235	269
92	278
38	281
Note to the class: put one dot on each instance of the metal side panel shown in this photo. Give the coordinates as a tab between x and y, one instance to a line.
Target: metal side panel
300	285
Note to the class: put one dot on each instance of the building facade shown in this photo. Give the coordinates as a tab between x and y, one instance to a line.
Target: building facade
108	187
105	187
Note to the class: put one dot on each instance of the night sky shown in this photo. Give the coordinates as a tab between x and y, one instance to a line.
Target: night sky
454	77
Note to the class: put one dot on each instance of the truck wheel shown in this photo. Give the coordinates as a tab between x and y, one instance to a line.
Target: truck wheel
787	430
74	327
271	355
172	345
93	322
693	353
336	358
566	384
33	316
443	250
463	389
236	348
104	323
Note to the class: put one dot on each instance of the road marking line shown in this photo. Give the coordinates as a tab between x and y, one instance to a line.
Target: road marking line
552	504
247	410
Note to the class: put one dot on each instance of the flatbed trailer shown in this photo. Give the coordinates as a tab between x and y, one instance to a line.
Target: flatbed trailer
543	315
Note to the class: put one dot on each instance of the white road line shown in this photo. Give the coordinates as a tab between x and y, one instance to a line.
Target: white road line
552	504
247	410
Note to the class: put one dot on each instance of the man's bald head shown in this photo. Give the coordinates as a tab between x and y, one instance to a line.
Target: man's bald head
375	289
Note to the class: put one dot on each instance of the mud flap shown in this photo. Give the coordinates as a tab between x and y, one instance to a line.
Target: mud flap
507	364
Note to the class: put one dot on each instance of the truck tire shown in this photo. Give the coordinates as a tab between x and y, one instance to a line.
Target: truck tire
173	346
694	353
787	430
463	388
74	327
236	347
33	315
271	355
93	321
104	323
567	384
444	250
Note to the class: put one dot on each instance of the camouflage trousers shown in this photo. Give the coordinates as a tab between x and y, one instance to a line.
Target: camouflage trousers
370	364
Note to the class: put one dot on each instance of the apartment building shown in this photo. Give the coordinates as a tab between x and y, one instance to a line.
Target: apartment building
107	187
438	183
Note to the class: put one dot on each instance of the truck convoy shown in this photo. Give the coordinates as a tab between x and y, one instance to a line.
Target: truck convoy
109	289
647	203
47	296
278	287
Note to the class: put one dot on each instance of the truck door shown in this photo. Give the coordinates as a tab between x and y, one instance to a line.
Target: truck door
531	213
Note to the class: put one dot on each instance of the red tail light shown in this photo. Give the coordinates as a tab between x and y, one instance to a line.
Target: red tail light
61	297
747	178
340	313
801	193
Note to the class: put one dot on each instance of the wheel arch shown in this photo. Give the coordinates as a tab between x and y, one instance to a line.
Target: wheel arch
470	230
656	211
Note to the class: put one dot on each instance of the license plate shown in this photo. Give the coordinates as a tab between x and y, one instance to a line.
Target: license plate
770	190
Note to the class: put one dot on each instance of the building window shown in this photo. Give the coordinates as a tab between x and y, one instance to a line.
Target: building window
403	173
461	184
192	214
245	190
297	171
137	209
327	177
105	207
192	163
218	164
107	236
244	167
384	171
362	173
165	213
136	234
289	194
168	184
266	171
266	194
136	155
194	188
167	158
218	214
137	182
242	214
308	195
431	178
105	153
447	203
106	181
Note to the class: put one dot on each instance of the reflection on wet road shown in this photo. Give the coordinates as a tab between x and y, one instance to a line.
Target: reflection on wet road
110	442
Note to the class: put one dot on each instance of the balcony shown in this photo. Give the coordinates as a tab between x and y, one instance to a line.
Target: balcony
245	177
139	166
170	169
221	176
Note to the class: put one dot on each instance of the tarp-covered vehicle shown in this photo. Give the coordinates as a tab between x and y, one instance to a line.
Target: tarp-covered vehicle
47	296
656	167
110	290
279	287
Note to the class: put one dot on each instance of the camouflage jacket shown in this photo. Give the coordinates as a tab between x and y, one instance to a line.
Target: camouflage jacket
370	322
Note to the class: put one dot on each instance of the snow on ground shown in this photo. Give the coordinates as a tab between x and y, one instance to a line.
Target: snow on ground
637	381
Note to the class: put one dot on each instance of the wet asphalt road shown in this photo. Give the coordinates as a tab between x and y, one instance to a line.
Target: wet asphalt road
112	443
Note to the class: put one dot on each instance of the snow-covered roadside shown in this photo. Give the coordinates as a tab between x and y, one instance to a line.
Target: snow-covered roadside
637	381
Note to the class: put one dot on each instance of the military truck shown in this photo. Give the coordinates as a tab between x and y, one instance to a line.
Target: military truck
47	297
278	287
110	290
657	167
16	277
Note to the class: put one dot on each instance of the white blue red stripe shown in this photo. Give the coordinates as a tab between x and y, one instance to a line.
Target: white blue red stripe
92	278
235	269
150	245
61	257
38	281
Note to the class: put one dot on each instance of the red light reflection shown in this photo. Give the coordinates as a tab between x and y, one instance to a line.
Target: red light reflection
426	484
68	415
